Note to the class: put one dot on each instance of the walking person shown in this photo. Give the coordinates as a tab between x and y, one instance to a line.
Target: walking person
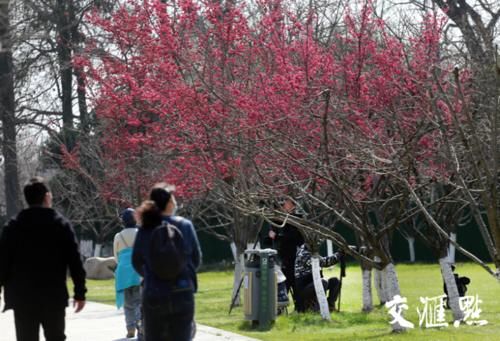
168	305
127	280
36	250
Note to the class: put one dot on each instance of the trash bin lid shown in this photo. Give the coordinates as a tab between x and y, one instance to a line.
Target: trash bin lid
269	252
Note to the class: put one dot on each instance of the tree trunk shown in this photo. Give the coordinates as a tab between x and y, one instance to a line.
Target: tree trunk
239	264
411	247
82	101
97	250
329	248
76	39
253	246
86	248
7	111
391	279
62	15
451	248
451	286
367	289
234	251
379	285
318	287
479	38
392	289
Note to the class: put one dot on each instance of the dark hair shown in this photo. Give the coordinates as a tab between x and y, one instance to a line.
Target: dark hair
35	191
148	214
464	280
127	217
161	194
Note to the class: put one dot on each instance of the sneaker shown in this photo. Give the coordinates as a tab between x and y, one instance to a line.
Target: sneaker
140	337
130	333
331	304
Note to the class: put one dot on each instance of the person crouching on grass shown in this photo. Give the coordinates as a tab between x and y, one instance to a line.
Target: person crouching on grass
306	294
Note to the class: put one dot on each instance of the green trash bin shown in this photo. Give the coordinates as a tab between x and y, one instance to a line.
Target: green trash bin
260	287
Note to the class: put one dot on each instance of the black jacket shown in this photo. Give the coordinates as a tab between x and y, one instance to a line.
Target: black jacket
288	239
36	251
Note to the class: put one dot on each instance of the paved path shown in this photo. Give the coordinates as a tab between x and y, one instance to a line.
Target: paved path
100	322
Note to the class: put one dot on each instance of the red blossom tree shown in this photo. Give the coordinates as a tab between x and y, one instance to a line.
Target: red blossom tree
198	94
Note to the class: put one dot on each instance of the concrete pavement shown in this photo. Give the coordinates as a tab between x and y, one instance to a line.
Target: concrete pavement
101	322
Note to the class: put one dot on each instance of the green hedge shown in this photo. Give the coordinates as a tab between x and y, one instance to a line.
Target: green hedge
469	237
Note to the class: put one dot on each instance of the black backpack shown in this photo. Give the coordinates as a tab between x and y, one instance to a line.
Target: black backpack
166	252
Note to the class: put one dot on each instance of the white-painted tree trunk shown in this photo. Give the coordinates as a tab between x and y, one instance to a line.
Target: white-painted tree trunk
392	289
318	287
411	247
451	249
97	250
329	248
451	287
379	285
233	251
391	281
250	246
239	269
86	248
367	290
239	266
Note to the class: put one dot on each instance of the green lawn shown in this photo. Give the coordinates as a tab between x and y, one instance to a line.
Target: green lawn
419	280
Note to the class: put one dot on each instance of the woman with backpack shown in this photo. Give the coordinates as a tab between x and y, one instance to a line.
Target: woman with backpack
166	253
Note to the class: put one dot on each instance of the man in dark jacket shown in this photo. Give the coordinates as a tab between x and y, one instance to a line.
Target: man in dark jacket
36	250
168	306
286	240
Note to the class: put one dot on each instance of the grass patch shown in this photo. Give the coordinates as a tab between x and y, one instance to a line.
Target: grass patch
102	291
419	280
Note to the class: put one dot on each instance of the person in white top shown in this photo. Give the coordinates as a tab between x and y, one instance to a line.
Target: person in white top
126	237
127	280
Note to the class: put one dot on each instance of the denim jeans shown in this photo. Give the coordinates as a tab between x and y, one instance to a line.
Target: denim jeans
132	307
169	319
